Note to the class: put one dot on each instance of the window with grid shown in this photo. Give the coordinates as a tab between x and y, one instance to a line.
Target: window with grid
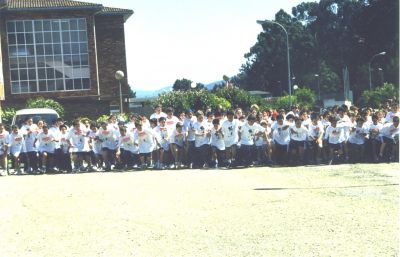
48	55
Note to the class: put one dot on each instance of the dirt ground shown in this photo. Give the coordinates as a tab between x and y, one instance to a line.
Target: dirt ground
346	210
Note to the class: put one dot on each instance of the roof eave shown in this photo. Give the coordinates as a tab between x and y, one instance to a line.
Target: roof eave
42	9
126	15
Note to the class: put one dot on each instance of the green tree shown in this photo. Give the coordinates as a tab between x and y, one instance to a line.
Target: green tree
41	102
378	96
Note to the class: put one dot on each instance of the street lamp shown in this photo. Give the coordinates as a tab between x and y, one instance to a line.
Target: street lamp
319	91
119	75
369	68
288	56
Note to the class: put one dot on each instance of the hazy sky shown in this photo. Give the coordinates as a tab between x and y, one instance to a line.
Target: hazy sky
200	40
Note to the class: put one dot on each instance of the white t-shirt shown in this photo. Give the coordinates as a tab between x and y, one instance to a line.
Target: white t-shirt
390	115
4	137
46	142
281	133
217	139
130	127
163	135
158	115
372	130
357	137
55	131
188	127
389	130
146	141
109	138
64	142
248	133
178	138
334	135
95	142
79	140
298	134
201	127
314	131
30	133
127	143
16	143
231	132
170	123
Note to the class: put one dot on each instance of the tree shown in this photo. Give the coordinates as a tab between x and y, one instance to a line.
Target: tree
344	34
41	102
185	85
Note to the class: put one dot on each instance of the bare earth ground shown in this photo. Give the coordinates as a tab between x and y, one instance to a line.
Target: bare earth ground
346	210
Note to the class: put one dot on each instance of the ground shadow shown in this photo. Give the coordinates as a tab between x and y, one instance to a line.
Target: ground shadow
316	188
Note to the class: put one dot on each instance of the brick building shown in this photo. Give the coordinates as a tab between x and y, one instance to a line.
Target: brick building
65	50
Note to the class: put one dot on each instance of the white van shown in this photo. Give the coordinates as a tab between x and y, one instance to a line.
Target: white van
48	115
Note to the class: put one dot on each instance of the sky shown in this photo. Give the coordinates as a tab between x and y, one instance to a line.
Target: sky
200	40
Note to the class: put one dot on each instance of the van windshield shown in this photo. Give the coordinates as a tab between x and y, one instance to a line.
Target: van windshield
48	118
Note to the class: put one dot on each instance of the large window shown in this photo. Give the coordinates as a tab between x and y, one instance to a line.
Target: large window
48	55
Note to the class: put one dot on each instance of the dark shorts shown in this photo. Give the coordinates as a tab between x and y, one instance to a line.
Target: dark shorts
335	147
294	144
145	155
388	140
81	154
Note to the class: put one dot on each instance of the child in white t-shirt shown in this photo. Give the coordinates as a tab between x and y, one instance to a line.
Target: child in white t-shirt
46	146
298	137
178	140
3	149
335	136
357	138
15	146
374	136
146	141
128	152
217	144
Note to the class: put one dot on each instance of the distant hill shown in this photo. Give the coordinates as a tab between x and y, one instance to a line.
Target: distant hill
152	93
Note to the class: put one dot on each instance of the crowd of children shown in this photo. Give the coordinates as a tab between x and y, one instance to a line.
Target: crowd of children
209	139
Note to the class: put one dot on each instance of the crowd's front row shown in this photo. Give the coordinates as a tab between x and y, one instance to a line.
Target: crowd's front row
217	139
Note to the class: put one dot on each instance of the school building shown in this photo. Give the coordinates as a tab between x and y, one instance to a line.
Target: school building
65	50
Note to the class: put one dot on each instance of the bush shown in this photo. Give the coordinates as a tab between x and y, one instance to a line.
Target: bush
304	97
238	97
376	97
192	99
41	102
7	114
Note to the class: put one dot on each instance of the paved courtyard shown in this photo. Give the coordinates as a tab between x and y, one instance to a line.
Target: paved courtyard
346	210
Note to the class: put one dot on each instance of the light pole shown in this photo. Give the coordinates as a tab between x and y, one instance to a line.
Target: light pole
288	56
319	91
119	75
369	68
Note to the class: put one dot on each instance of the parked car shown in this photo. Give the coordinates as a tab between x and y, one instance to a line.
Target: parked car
48	115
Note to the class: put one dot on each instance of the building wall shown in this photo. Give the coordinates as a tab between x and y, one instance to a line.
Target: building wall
110	38
108	32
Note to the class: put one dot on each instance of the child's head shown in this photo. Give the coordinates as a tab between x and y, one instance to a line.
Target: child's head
169	111
179	126
189	113
360	121
14	128
230	115
45	128
200	116
251	119
161	120
297	122
279	119
210	116
396	121
63	129
153	122
333	120
215	123
103	125
122	130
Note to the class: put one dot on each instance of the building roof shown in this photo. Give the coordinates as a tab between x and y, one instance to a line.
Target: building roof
48	5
